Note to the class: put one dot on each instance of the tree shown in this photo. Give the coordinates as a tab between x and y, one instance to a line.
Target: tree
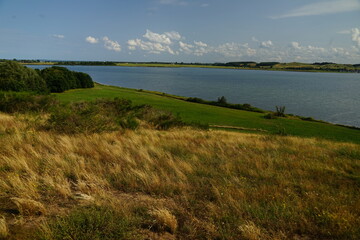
60	79
222	100
16	77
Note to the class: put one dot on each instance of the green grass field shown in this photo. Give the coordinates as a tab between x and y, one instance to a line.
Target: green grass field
194	112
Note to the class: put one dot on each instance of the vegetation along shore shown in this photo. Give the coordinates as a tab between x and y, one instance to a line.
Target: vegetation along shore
248	65
80	160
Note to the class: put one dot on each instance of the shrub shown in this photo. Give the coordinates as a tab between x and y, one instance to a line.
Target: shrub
270	116
91	222
165	121
196	100
80	117
84	80
11	102
15	77
60	79
222	100
280	111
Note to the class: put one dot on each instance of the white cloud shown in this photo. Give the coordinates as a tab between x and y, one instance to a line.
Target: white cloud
295	45
156	43
205	5
187	48
156	37
355	35
255	39
200	44
199	49
173	43
173	2
266	44
91	40
322	8
151	47
173	35
235	50
111	45
58	36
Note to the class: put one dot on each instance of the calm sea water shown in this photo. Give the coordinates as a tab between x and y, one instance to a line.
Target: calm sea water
333	97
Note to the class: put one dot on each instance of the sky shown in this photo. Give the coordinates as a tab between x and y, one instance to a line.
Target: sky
204	31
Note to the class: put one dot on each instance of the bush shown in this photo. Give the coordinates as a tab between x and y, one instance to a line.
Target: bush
84	80
270	116
60	79
91	222
80	117
280	111
11	102
166	121
107	115
222	100
15	77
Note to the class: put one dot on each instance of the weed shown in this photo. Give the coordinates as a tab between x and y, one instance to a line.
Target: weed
90	222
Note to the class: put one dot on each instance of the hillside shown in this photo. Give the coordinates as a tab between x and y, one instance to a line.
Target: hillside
213	115
176	184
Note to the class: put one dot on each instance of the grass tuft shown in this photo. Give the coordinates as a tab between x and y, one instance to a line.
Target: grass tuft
90	222
4	232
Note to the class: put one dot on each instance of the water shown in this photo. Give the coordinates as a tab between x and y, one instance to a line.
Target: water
333	97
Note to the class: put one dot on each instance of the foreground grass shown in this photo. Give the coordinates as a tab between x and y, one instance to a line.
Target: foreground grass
178	184
193	112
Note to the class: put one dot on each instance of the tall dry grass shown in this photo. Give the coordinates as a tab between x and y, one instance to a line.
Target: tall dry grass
183	183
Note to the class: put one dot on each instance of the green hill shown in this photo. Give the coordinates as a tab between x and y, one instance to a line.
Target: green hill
213	115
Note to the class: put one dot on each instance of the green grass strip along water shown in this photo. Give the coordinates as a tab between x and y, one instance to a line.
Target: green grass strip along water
213	115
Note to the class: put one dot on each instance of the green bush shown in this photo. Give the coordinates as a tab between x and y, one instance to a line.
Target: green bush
280	111
93	117
12	102
18	78
80	117
92	222
15	77
270	116
84	80
59	79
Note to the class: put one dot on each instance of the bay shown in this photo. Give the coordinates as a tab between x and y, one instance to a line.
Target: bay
332	97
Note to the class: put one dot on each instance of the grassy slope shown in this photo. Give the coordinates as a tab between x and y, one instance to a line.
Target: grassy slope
179	184
216	115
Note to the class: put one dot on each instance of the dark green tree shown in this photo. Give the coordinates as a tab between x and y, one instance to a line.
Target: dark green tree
222	100
16	77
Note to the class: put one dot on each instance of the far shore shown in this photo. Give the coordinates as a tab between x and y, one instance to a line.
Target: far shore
289	67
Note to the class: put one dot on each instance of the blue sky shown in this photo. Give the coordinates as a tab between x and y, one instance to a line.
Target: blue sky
181	30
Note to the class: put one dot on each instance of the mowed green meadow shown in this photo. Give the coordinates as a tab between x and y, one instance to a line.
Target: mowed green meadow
213	115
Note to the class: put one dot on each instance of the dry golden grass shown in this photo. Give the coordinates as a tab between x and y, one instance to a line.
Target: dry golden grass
193	184
3	228
164	220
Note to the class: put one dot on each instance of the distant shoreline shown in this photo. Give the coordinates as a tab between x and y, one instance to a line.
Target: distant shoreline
285	67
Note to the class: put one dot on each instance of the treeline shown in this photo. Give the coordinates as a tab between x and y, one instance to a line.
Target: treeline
19	78
90	63
317	66
247	64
